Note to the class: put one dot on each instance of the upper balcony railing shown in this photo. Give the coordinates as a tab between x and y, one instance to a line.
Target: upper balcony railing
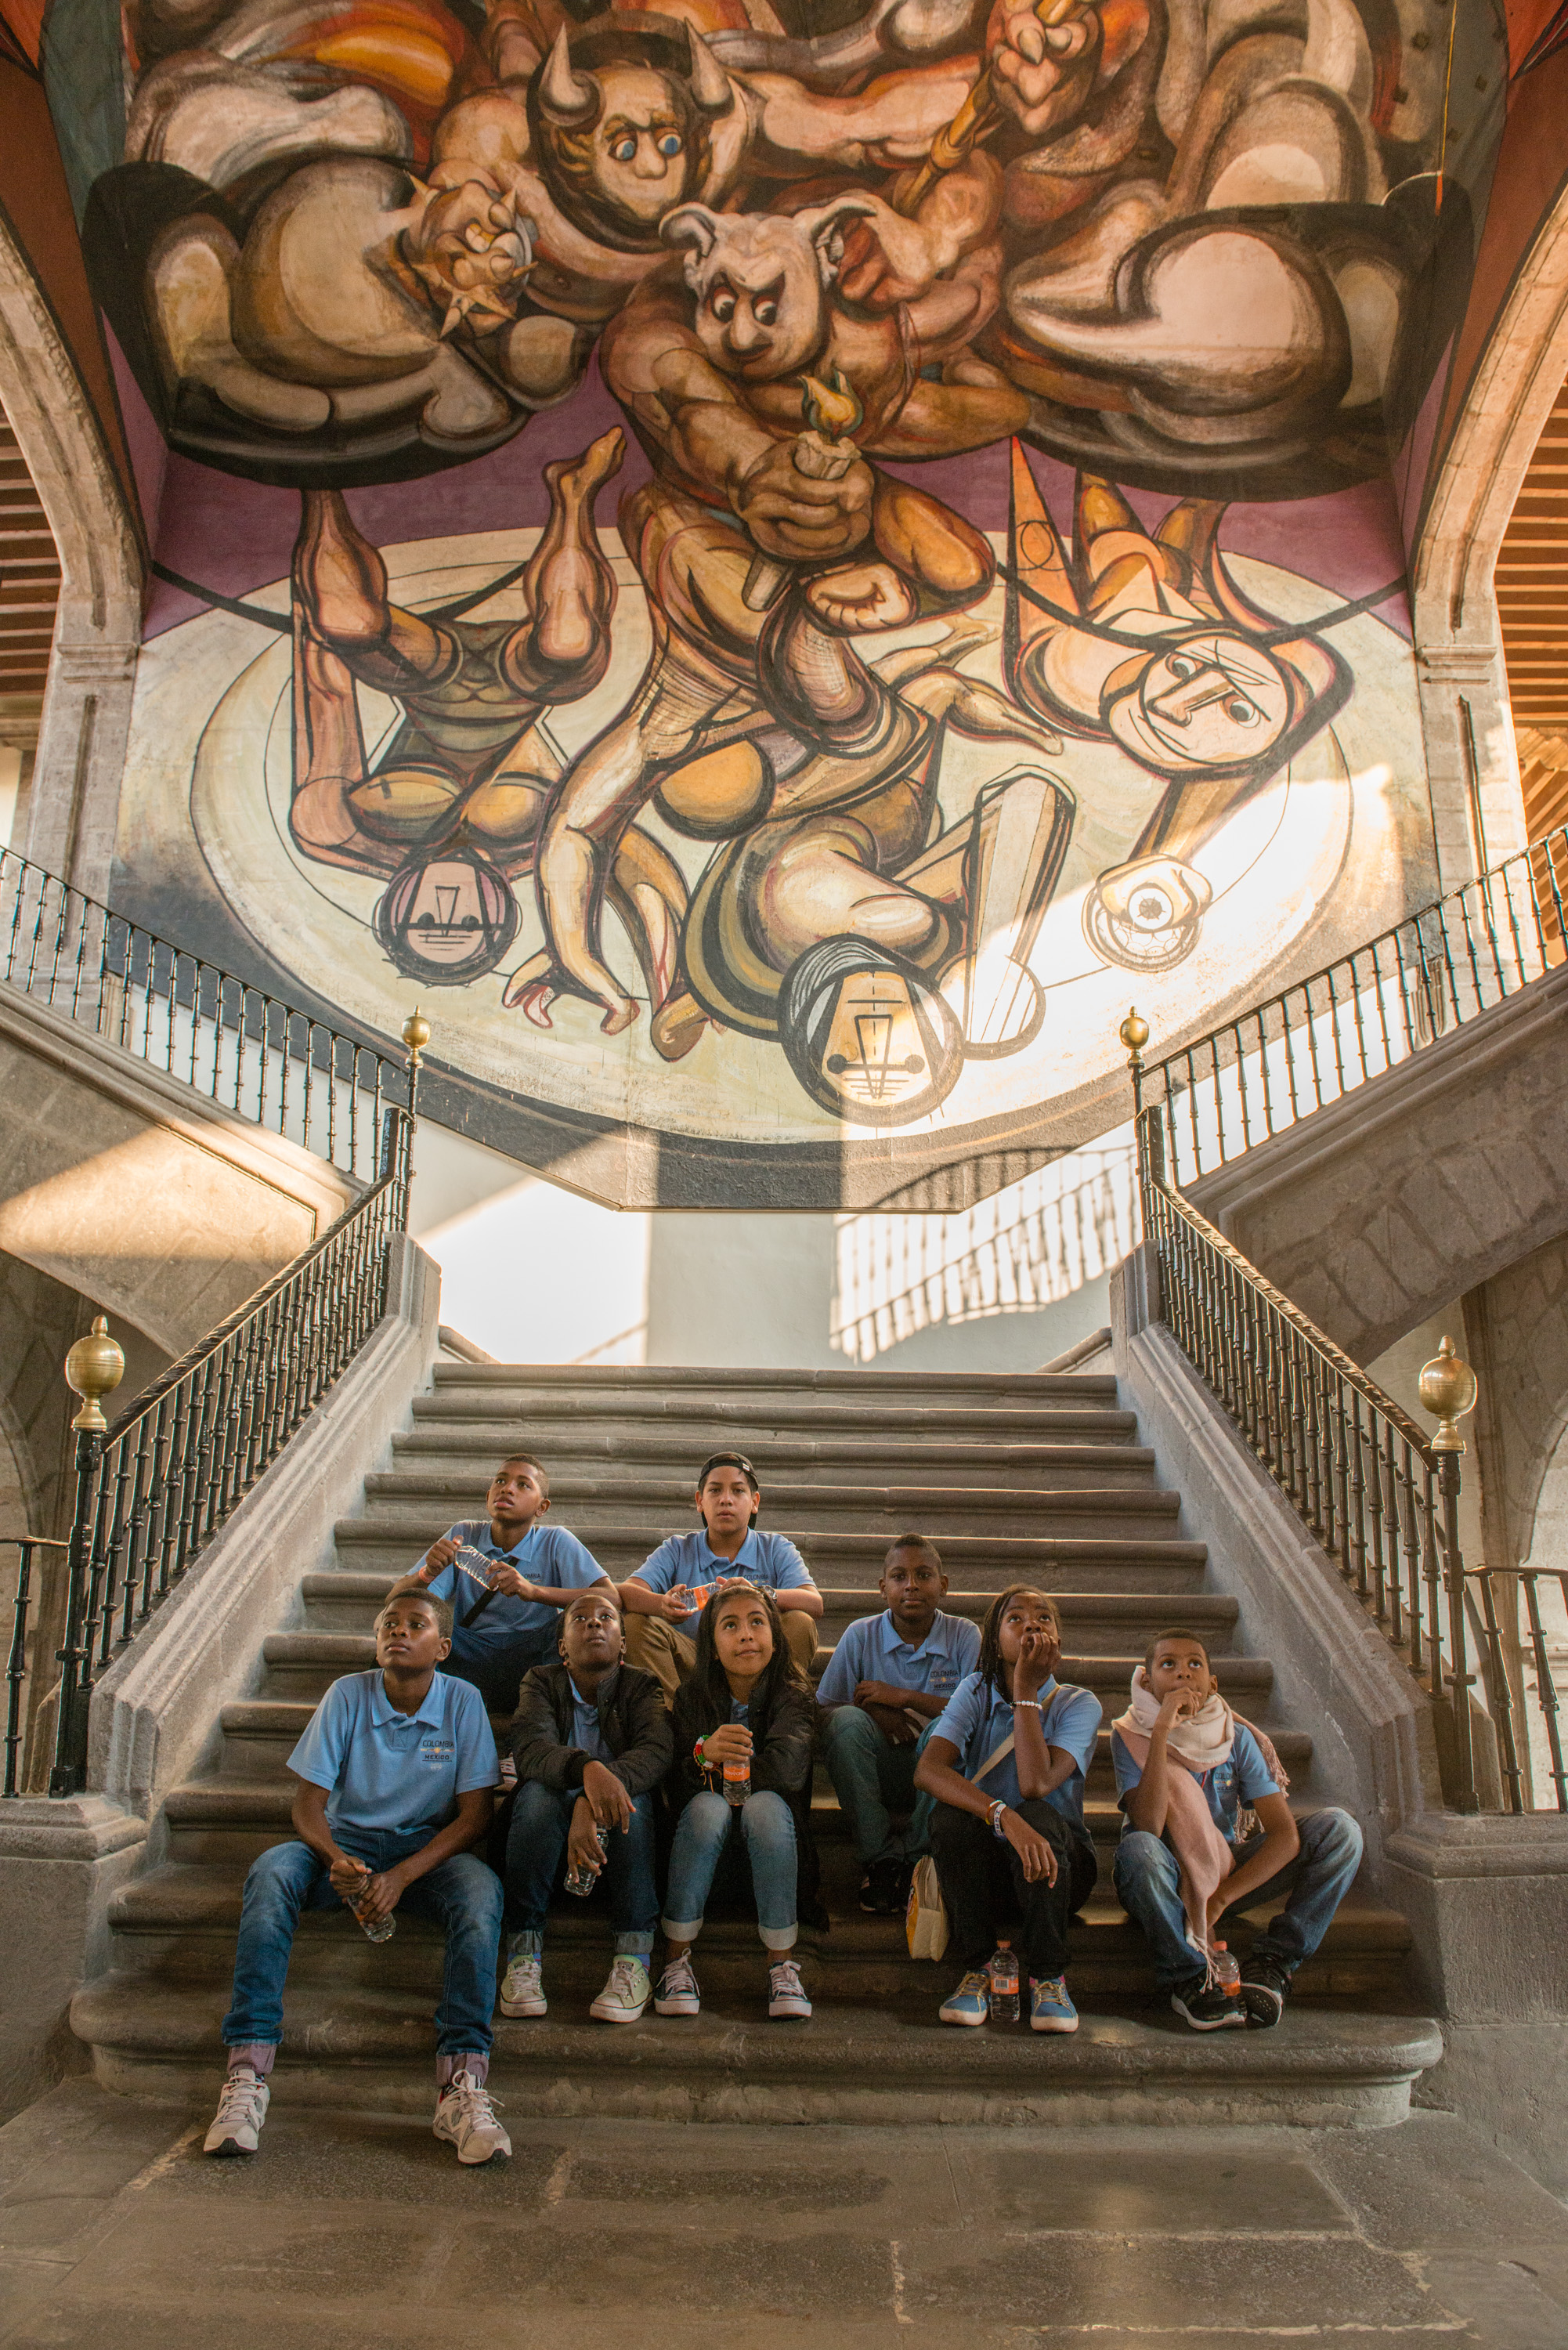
231	1041
1379	1005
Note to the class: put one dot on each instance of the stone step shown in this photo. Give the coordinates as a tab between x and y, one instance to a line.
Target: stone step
181	1919
1097	1622
591	1505
229	1821
305	1663
710	1424
624	1383
1082	1563
259	1732
463	1449
849	2063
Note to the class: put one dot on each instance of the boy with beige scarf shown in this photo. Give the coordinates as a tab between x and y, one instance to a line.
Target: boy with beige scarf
1187	1772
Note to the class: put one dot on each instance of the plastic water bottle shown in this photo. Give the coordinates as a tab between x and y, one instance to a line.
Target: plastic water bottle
737	1782
375	1930
1227	1970
582	1881
1003	1972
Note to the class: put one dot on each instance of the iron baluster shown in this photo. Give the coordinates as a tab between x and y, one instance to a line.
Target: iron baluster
1545	1688
1498	1684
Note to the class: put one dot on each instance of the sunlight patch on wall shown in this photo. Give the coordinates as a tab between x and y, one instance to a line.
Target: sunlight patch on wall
1029	1245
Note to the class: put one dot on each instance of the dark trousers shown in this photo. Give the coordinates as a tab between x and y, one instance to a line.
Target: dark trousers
984	1883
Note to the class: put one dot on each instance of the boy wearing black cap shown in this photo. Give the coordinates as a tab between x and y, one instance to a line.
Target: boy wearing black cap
662	1598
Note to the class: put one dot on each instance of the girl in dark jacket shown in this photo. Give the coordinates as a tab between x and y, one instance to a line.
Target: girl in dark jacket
745	1713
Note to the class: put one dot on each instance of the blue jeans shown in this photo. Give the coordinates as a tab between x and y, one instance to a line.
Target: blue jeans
497	1673
535	1845
1315	1883
461	1894
874	1778
701	1832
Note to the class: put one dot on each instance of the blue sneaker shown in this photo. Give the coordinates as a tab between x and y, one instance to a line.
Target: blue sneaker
971	2003
1050	2008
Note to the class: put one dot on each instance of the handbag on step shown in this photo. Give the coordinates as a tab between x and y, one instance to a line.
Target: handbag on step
926	1923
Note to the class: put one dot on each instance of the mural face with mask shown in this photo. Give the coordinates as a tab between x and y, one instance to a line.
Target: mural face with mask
1006	587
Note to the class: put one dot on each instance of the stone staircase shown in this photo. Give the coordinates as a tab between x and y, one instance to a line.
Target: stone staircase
1031	1476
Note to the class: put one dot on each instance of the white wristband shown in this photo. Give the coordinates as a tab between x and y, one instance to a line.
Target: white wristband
1033	1704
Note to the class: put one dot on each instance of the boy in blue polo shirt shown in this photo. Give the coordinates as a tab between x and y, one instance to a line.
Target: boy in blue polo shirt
397	1770
1005	1761
684	1572
886	1682
502	1628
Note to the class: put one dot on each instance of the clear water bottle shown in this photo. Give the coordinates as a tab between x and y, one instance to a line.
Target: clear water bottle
375	1930
1003	1972
737	1782
1227	1970
582	1881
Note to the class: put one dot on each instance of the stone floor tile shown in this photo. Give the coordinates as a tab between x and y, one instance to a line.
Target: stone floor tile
1110	2182
1500	2299
684	2269
1083	2280
313	2157
1433	2178
77	2125
24	2284
159	2246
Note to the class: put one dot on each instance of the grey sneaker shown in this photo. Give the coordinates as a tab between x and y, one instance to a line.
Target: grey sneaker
465	2116
678	1993
522	1988
625	1994
242	2109
786	1992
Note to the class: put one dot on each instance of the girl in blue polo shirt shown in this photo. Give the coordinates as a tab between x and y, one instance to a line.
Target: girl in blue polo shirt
1006	1760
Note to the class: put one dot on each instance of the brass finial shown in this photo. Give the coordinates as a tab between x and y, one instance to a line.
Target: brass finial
93	1368
416	1036
1447	1390
1134	1033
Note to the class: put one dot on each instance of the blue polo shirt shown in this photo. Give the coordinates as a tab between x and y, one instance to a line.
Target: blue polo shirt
403	1771
1242	1779
976	1721
870	1649
587	1736
769	1561
546	1554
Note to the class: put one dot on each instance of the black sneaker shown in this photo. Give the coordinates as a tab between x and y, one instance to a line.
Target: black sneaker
1207	2011
1265	1987
881	1894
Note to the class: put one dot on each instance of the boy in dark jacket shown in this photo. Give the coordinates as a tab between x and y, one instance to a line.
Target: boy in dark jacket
591	1740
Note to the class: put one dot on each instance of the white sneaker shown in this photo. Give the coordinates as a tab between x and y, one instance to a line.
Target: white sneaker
678	1993
465	2114
786	1992
626	1993
522	1988
242	2109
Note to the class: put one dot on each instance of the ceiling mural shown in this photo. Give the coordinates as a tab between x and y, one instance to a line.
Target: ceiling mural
775	564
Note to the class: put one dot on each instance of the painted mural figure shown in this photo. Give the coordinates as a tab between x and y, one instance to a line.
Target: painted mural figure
1143	639
450	808
758	718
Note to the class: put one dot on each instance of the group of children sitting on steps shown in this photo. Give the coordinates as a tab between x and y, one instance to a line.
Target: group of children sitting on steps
674	1720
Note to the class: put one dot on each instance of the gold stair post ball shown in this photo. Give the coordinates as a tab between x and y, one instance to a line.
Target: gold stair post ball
1133	1031
416	1036
1447	1390
93	1368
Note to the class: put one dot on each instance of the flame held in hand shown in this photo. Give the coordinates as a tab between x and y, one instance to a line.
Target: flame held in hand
832	408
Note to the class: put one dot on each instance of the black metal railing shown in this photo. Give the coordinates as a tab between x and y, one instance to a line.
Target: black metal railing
233	1042
1314	1042
16	1661
1380	1495
153	1490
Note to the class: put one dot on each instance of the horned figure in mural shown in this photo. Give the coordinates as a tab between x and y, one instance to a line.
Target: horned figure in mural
342	264
1143	639
450	808
833	919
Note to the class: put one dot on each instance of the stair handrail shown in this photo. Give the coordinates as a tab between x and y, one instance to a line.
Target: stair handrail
236	1043
1376	1491
1369	1010
153	1490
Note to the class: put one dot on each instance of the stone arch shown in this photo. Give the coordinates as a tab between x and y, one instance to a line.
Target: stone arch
85	718
1472	763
